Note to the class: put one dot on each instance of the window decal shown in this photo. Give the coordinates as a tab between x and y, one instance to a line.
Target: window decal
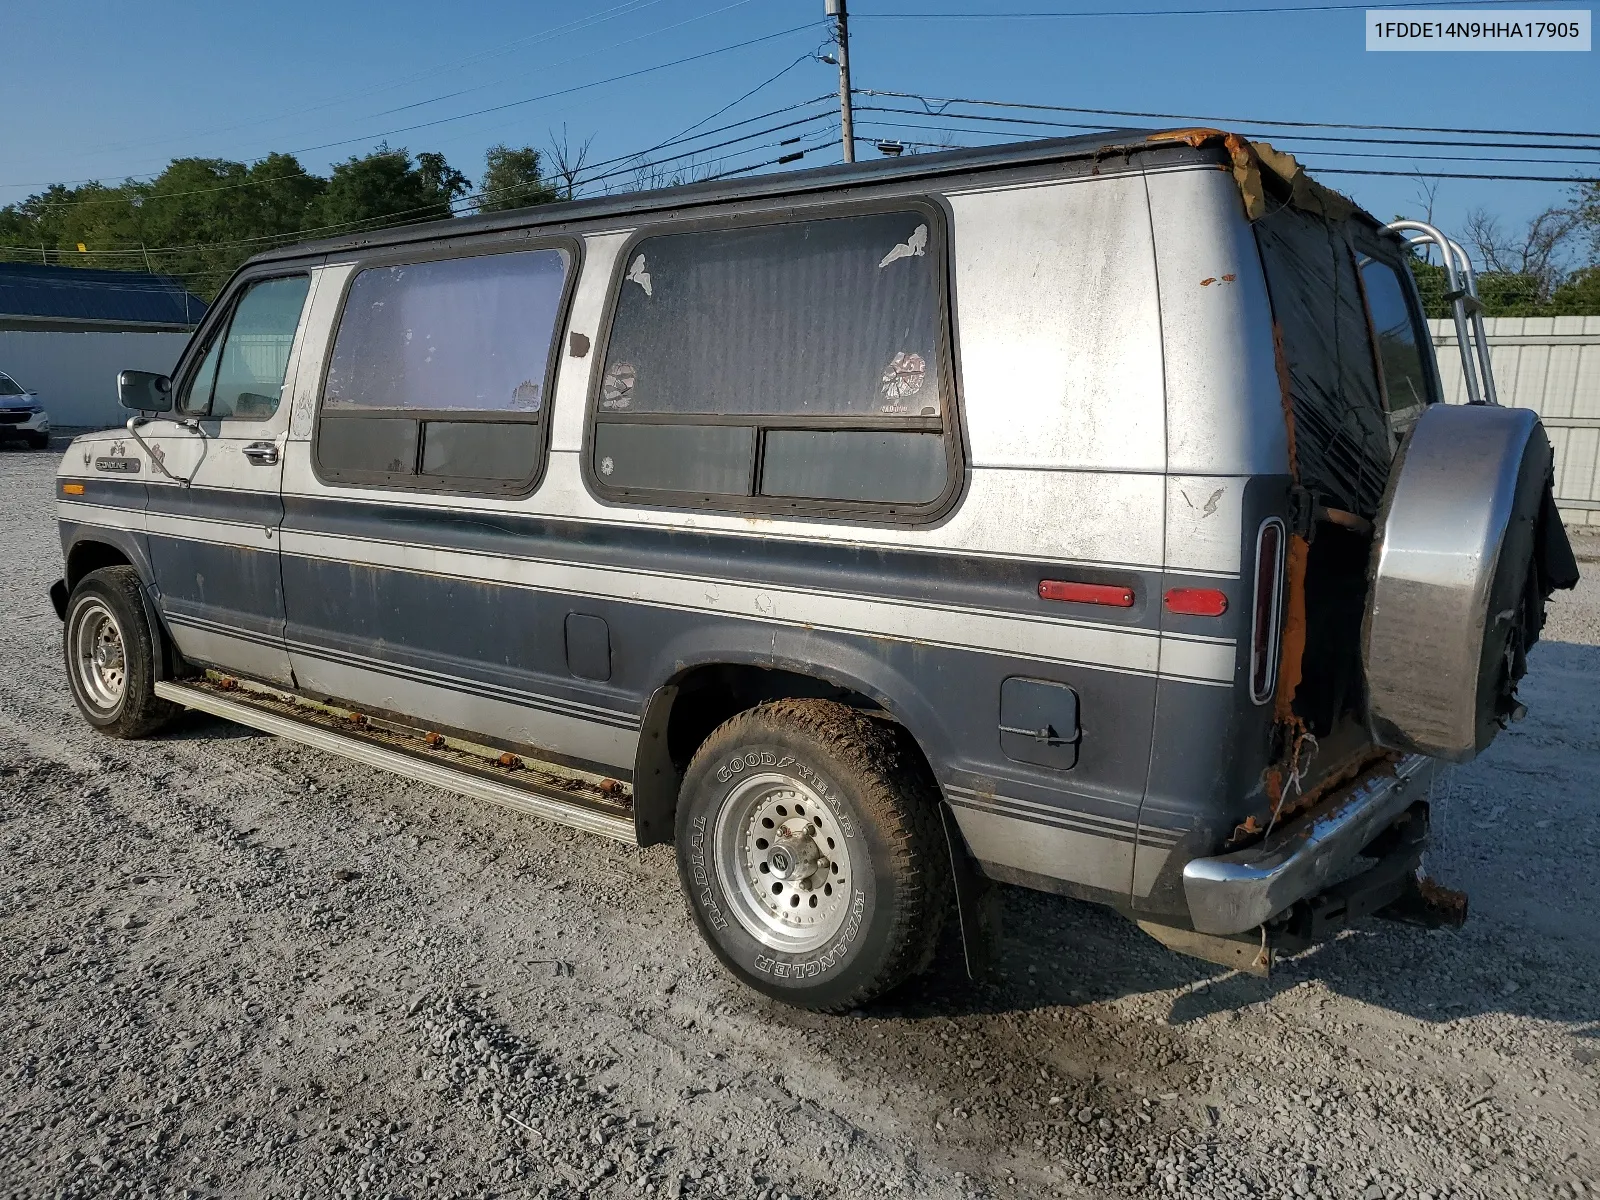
914	246
639	275
903	377
616	389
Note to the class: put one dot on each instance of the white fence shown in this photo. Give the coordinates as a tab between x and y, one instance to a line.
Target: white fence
75	374
1551	365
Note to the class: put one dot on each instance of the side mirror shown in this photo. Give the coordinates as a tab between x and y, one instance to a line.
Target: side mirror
144	391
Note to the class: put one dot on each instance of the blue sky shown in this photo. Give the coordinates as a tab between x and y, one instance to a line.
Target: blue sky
103	90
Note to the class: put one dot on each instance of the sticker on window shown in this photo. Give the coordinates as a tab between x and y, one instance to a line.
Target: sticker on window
914	246
902	379
616	389
637	274
525	396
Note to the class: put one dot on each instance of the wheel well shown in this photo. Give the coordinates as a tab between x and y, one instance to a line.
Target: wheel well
91	556
684	713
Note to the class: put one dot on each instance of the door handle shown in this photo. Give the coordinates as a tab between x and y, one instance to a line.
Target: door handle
262	454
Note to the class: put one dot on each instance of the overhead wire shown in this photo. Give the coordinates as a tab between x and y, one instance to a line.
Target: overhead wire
1167	116
1250	10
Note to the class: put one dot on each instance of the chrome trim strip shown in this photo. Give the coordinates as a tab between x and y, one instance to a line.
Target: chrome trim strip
1232	893
406	765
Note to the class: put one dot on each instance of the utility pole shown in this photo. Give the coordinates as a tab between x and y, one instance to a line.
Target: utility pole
841	35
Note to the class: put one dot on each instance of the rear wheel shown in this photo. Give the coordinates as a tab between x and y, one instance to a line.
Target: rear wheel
109	656
811	853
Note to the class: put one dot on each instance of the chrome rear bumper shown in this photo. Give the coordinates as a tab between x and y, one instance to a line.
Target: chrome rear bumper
1232	893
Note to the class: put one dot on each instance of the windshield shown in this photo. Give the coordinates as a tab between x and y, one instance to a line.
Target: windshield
9	386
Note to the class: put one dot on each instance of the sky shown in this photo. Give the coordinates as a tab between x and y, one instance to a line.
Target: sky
104	90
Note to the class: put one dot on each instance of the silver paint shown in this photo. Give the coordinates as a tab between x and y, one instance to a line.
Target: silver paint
1235	892
1439	541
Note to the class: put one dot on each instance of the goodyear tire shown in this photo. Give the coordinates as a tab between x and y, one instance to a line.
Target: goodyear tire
111	662
811	854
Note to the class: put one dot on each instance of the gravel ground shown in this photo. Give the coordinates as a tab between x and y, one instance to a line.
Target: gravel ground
230	966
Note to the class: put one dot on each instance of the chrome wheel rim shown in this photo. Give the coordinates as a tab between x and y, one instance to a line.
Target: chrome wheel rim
98	654
783	862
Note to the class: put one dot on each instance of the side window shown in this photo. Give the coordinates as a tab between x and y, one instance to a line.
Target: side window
778	367
1394	324
440	370
243	370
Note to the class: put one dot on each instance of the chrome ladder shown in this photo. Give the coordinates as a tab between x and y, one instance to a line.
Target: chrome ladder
1464	303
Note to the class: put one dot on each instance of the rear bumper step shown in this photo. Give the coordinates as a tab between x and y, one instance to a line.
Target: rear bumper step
555	793
1232	893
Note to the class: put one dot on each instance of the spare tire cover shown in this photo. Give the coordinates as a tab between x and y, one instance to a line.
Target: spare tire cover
1442	640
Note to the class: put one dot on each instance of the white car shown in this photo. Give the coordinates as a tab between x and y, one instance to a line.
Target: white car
21	414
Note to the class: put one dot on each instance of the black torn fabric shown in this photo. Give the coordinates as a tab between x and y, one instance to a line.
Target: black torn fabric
1343	445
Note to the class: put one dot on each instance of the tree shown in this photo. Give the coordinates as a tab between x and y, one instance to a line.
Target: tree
1541	253
386	186
513	179
569	162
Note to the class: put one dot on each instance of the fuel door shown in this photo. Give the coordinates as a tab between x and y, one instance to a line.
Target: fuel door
1039	722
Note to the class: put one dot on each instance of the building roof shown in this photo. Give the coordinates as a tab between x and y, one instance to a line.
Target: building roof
34	292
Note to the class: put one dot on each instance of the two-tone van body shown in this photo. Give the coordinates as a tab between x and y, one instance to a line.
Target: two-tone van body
867	533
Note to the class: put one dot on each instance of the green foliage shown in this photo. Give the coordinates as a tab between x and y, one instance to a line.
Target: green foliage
203	217
1508	294
386	186
513	179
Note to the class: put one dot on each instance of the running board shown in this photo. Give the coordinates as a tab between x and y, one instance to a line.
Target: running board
555	793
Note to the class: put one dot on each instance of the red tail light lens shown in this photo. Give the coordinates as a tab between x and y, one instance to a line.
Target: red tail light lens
1197	602
1267	626
1107	594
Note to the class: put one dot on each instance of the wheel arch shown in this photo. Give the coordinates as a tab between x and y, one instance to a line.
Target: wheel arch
89	551
700	694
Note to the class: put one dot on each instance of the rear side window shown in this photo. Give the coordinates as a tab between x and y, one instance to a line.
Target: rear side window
440	373
242	372
782	367
1394	325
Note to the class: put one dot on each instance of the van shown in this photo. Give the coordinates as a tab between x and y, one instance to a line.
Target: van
1078	515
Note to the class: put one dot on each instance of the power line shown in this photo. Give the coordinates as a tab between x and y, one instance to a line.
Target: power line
1458	175
704	54
1352	139
677	62
1164	116
1169	12
535	38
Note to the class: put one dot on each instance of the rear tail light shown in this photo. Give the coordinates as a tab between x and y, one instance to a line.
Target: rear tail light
1267	625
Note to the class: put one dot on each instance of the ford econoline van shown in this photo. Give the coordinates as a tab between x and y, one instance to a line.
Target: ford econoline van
1080	515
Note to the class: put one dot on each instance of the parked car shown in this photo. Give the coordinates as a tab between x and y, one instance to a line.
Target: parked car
21	414
1078	514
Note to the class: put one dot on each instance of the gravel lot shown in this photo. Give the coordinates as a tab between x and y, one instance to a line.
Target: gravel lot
230	966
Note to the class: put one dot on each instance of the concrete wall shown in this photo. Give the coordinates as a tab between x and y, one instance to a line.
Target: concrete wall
1551	365
75	374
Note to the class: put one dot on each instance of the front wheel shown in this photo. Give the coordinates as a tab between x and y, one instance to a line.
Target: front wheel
810	850
111	664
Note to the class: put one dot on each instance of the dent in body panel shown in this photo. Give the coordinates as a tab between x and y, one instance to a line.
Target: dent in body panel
1059	323
1224	413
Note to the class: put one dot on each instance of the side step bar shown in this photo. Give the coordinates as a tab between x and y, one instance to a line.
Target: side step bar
555	793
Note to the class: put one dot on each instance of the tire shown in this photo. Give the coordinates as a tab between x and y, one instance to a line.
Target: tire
38	441
850	903
109	656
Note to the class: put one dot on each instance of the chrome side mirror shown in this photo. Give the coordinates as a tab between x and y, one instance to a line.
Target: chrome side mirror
144	391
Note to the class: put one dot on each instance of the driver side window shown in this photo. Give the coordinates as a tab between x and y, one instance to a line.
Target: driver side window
243	370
